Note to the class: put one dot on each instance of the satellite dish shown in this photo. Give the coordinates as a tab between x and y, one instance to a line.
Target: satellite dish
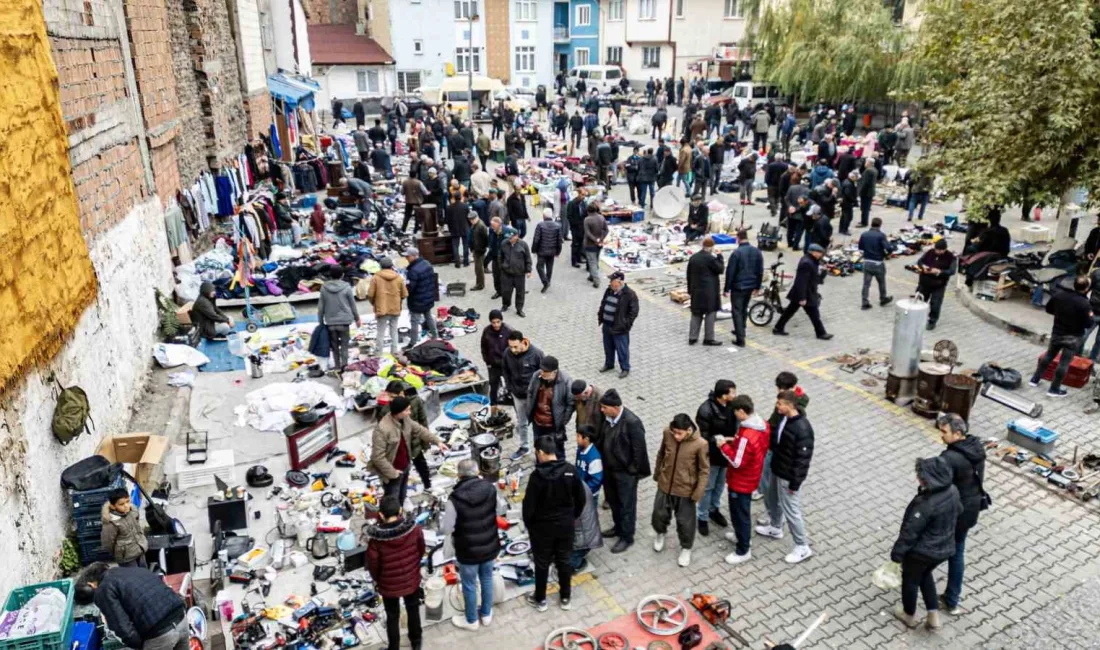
669	202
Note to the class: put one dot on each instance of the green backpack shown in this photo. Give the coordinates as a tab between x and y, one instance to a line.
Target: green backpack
72	414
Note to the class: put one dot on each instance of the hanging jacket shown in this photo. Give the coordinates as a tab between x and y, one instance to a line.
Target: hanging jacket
554	499
421	282
967	461
475	527
681	468
337	304
746	453
928	526
792	447
387	290
394	551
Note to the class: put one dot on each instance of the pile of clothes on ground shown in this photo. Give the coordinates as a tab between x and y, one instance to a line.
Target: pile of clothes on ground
431	363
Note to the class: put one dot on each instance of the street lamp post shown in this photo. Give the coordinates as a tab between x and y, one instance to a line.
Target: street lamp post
470	62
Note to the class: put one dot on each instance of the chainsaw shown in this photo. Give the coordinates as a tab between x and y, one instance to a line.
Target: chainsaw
717	612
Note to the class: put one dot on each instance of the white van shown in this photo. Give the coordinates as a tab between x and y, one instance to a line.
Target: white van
748	93
455	91
601	77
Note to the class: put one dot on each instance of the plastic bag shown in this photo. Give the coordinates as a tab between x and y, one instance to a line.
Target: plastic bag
1009	378
888	576
169	355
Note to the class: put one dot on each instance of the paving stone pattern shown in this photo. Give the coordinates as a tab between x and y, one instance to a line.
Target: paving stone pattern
1027	552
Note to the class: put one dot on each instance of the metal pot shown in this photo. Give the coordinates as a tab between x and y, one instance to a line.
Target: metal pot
304	414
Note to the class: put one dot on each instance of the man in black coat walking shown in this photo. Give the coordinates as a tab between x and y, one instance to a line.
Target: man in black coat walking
744	276
773	175
515	267
575	212
458	224
965	454
804	294
704	285
546	244
849	199
647	175
553	501
1072	318
622	446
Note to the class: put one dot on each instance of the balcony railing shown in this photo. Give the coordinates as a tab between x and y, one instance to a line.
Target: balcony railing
561	34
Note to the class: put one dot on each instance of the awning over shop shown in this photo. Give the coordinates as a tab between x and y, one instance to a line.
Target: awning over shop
294	91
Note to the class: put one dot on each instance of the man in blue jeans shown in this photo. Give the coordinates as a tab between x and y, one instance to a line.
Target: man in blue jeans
616	315
715	418
471	517
966	456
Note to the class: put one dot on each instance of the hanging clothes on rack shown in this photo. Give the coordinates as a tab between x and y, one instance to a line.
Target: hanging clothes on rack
276	148
224	190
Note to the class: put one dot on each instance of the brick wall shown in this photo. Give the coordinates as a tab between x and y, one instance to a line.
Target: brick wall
498	51
108	186
191	141
91	76
214	56
332	12
257	108
147	22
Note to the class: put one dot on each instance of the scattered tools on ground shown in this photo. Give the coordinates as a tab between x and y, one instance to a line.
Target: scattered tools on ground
717	612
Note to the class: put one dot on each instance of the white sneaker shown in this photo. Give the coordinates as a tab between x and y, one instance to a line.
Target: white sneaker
659	543
764	521
734	558
798	554
685	557
486	620
460	621
730	536
756	496
770	531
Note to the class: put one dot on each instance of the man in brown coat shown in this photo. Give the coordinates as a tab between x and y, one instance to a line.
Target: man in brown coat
681	468
683	164
387	290
395	443
587	398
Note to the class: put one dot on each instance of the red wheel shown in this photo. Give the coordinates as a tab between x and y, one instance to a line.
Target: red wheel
612	641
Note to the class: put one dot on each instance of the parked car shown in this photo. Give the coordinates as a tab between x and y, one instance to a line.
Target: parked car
516	98
603	77
746	93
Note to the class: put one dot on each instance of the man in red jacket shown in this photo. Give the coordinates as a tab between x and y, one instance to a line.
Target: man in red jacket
394	550
745	453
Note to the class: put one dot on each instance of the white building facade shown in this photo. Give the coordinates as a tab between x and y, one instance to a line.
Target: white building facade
531	26
637	35
434	39
291	37
700	26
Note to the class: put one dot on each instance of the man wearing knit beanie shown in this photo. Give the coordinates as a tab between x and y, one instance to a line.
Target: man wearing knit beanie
625	460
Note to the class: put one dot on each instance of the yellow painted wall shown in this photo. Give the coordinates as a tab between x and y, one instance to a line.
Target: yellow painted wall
46	276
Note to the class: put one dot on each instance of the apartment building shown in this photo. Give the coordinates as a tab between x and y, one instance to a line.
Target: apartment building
531	32
576	34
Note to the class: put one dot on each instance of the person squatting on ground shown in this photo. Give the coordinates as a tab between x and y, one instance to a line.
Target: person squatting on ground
680	471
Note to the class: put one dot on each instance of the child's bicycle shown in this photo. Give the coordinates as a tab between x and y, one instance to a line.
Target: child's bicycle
762	310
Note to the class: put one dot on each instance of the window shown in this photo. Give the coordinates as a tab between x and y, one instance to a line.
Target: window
526	10
582	56
267	35
525	59
647	9
596	75
418	46
615	55
679	8
651	57
759	92
462	59
733	9
408	81
367	81
465	8
613	74
740	91
615	10
584	16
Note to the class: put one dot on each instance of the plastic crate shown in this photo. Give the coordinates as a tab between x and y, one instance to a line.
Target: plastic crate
86	502
88	527
91	550
60	640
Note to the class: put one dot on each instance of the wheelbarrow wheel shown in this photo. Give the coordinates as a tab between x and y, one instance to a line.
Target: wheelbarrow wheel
761	314
252	327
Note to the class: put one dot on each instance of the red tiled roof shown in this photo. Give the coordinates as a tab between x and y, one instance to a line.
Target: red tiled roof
340	45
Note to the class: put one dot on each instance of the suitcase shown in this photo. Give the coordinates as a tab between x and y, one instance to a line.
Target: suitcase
1080	370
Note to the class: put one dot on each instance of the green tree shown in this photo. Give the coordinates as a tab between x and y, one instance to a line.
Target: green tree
1014	89
832	50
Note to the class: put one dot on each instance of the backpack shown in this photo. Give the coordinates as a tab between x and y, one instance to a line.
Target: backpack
72	414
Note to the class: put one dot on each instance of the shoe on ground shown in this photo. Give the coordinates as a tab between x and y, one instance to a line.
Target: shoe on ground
494	296
954	611
886	301
581	568
609	533
565	604
703	527
798	554
685	558
540	605
1034	383
930	326
620	546
607	369
730	536
756	496
460	621
718	519
520	453
504	309
825	337
769	531
486	620
519	312
692	341
624	374
738	342
735	558
865	306
659	543
910	621
933	621
712	343
544	289
778	332
1061	392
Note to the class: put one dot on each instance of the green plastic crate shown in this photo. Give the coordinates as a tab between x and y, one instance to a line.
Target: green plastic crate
50	641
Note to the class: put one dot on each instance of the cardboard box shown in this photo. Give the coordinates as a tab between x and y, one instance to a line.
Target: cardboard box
141	452
183	314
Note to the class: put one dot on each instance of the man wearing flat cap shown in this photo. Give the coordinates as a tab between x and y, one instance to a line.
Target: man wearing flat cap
625	461
803	294
550	403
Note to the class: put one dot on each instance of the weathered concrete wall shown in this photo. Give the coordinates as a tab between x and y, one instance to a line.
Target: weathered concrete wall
332	12
191	143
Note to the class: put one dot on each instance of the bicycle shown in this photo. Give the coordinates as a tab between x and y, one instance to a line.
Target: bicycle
762	310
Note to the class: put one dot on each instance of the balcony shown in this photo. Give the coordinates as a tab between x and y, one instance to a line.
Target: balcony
561	34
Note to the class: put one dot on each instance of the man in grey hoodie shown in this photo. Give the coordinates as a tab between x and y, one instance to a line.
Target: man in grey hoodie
337	311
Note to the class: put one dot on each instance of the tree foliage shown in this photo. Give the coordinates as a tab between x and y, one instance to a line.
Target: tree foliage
832	50
1014	89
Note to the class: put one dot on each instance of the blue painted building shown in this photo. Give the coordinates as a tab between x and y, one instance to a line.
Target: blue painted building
576	33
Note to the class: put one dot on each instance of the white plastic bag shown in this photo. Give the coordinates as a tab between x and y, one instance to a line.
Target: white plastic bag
888	576
169	355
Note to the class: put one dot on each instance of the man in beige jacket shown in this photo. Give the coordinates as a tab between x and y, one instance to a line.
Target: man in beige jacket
681	469
387	290
396	441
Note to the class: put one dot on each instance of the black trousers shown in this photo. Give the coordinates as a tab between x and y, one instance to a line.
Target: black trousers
846	214
739	304
811	311
621	490
410	215
421	465
545	267
935	304
794	232
576	248
496	375
916	576
577	138
496	278
556	551
393	619
510	283
398	487
1067	346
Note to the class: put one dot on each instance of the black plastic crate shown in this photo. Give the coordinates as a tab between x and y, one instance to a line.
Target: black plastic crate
85	502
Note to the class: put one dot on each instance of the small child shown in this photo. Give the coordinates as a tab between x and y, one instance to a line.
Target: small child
590	470
123	534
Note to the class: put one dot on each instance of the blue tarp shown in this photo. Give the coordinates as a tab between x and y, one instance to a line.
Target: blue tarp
294	92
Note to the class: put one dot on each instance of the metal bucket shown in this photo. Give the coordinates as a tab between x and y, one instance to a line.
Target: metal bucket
488	463
256	367
959	394
900	390
910	318
481	442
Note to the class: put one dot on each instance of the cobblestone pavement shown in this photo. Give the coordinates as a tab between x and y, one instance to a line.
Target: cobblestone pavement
1026	553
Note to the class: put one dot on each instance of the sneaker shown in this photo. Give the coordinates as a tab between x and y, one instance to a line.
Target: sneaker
798	554
460	621
910	621
734	558
620	546
756	496
565	605
1061	392
624	374
718	519
703	527
486	620
685	557
933	621
886	301
659	543
952	610
769	531
520	453
1034	383
540	605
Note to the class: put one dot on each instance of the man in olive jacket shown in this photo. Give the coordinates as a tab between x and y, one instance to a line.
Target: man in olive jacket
515	268
681	468
395	443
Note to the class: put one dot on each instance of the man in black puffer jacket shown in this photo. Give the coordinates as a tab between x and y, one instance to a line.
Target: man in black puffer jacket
546	245
927	538
471	515
554	499
966	456
792	447
139	608
715	418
